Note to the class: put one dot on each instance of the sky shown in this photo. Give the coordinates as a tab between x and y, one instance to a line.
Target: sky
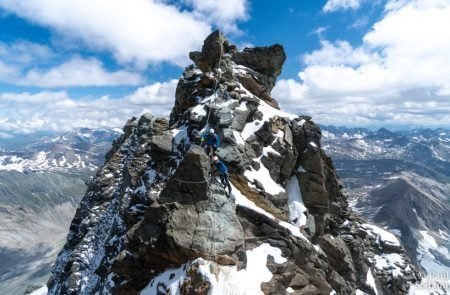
96	63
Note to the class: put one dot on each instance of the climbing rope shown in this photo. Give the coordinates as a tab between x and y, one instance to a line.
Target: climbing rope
192	182
215	87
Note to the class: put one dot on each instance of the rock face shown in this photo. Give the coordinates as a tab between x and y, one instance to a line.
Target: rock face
156	221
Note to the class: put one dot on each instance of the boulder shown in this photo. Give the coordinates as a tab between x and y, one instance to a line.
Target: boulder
223	117
239	119
258	89
265	60
190	181
339	255
161	146
214	46
265	133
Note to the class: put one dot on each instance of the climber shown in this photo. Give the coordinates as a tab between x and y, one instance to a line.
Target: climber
223	173
212	142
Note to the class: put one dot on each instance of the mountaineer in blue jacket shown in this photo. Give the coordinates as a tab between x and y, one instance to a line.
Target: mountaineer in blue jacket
212	142
223	173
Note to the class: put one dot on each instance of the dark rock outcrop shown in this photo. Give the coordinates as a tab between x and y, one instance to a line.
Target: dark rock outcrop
155	217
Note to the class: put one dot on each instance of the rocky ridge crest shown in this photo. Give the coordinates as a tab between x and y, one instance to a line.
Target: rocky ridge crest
154	221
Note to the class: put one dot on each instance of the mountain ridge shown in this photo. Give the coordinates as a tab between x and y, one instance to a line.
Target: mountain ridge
153	220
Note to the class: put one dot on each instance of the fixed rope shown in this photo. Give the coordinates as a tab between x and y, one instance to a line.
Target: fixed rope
215	87
192	182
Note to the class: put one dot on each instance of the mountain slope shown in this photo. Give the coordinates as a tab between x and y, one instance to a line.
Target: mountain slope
404	188
79	150
35	213
156	221
38	199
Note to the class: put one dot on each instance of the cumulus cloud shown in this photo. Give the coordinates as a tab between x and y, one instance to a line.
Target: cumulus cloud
399	75
155	94
25	53
26	64
335	5
78	72
57	111
7	71
136	31
223	14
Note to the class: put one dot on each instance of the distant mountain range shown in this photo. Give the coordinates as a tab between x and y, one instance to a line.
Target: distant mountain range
42	179
78	150
400	180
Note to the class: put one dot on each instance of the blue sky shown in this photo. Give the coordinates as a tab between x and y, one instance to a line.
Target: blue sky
95	63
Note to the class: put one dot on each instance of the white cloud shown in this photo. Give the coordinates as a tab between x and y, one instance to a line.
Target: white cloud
57	111
25	53
136	31
26	64
155	94
7	71
38	98
221	13
400	74
4	135
340	53
78	72
335	5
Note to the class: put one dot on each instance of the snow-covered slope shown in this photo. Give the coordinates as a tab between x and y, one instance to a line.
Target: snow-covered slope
420	145
80	149
404	186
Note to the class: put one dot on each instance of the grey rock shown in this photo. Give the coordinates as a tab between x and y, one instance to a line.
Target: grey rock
288	135
289	164
311	225
274	162
161	146
239	119
189	183
258	89
338	255
233	155
255	165
265	60
224	117
265	133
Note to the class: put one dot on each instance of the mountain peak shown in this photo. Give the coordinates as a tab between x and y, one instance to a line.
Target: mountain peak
158	217
221	69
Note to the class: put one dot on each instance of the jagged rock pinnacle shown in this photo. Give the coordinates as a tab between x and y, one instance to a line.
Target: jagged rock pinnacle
216	68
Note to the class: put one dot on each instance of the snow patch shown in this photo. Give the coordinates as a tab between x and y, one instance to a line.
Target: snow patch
269	150
222	279
384	236
390	262
238	137
41	291
301	169
263	176
297	207
180	134
371	281
428	241
243	201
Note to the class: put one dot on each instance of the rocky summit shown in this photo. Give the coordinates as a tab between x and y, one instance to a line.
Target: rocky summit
156	219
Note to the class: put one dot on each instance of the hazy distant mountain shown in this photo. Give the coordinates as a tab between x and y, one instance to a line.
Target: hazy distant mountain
79	150
42	179
400	180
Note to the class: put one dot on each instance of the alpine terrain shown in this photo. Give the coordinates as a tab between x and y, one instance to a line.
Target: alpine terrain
156	220
42	180
401	180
